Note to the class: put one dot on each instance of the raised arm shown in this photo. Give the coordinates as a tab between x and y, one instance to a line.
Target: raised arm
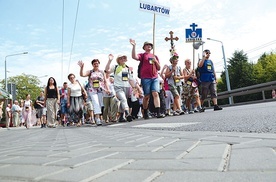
133	52
201	62
107	67
83	73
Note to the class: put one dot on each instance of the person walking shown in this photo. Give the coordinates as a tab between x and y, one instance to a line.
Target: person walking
27	111
51	101
96	83
208	79
41	110
8	115
110	101
168	94
15	113
148	72
63	92
175	75
1	109
123	80
75	101
190	89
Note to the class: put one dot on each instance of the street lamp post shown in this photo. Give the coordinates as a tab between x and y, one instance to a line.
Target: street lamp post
226	69
6	83
196	46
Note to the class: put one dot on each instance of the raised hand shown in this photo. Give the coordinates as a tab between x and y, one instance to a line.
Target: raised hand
110	57
132	42
80	63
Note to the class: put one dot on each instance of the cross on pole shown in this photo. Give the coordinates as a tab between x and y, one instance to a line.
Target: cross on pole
171	39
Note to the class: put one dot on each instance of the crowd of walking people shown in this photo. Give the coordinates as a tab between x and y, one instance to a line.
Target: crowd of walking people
116	95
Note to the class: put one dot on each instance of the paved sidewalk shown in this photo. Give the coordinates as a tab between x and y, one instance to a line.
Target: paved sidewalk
114	153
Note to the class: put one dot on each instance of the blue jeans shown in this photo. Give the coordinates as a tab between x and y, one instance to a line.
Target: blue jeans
150	85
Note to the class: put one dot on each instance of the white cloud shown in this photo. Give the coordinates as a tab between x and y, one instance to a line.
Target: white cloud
238	24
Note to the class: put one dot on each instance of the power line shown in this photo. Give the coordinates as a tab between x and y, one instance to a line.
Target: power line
73	35
62	34
261	46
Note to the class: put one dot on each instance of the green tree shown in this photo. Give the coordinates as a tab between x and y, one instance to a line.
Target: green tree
240	70
265	68
240	74
25	84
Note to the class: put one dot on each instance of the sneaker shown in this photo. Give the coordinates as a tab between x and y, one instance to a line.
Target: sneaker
160	115
217	108
98	122
196	110
191	112
129	118
181	112
122	120
175	113
202	109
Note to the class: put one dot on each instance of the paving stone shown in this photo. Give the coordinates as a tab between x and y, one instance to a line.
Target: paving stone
257	159
206	164
26	172
90	171
210	176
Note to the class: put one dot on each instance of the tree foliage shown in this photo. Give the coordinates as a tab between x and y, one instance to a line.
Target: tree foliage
25	84
242	73
265	68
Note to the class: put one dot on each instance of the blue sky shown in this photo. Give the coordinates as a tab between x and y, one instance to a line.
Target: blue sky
105	27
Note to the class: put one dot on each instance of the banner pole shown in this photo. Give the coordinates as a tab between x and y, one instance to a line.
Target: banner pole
153	38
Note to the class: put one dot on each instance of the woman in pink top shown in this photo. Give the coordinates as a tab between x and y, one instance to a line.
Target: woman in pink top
27	111
97	83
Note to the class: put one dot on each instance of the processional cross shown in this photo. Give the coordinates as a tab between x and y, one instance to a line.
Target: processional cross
171	39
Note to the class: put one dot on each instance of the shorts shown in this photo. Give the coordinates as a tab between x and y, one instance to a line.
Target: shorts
39	112
63	108
175	90
206	87
190	92
150	85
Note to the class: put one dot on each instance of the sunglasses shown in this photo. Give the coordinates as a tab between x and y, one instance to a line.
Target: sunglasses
208	53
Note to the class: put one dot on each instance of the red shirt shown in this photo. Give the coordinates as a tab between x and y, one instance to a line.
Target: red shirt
148	70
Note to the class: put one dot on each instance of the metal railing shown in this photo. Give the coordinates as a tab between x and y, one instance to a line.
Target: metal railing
246	91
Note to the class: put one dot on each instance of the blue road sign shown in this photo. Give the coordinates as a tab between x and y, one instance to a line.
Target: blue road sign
193	34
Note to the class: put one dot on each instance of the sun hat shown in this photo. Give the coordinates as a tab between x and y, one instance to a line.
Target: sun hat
147	43
120	56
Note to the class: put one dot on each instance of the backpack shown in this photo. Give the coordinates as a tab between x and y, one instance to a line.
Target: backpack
139	66
36	106
117	66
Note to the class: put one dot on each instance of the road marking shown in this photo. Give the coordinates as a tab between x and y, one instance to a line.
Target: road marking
115	168
188	150
164	125
120	124
149	142
153	176
51	174
92	160
165	145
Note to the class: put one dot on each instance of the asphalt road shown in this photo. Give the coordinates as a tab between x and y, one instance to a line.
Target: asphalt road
253	118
